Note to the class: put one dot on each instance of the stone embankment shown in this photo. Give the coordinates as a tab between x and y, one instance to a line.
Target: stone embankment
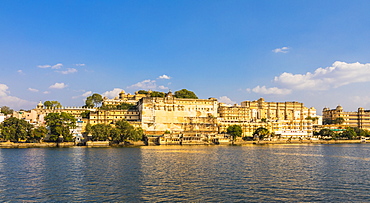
141	143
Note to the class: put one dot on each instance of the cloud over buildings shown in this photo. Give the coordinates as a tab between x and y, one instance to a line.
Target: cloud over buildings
337	75
111	94
145	84
14	102
271	90
58	86
226	100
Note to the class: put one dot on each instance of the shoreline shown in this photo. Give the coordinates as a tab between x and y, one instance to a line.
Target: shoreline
139	144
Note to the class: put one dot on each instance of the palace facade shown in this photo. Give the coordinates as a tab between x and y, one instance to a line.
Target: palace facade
159	115
359	118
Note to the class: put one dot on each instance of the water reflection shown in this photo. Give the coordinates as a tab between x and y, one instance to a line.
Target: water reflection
269	173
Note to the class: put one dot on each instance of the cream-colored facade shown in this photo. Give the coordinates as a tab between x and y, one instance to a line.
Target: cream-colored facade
124	98
176	115
157	115
286	119
359	118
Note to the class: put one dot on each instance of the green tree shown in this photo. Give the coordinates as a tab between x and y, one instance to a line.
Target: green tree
234	131
14	129
184	93
339	120
100	132
261	132
52	104
142	92
94	100
85	114
349	133
157	94
128	132
327	133
60	124
6	110
38	134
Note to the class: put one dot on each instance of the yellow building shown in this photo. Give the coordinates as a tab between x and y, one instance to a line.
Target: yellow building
157	115
286	119
359	118
178	115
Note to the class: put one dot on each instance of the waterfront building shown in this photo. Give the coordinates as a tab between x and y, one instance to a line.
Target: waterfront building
359	118
168	114
178	115
285	119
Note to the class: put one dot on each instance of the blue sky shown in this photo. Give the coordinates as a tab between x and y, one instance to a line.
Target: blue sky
315	52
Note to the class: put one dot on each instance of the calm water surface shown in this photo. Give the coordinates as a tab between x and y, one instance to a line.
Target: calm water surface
273	173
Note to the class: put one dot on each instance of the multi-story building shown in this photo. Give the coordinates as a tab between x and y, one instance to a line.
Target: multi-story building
178	115
285	119
359	118
157	115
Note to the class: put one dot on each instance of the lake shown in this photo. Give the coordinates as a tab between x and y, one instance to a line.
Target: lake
249	173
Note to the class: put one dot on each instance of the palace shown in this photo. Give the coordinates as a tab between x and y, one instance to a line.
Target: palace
168	114
359	118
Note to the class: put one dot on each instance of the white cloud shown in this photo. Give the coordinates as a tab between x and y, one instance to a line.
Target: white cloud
226	100
86	94
68	71
146	84
20	72
164	77
58	86
162	87
46	92
57	66
11	101
281	50
44	66
80	64
339	74
111	94
33	90
271	90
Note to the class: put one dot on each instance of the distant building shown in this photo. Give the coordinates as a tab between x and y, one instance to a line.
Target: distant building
359	118
286	119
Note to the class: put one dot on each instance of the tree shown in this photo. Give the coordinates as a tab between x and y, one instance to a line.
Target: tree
339	120
349	133
52	104
128	132
184	93
85	114
157	94
14	129
142	92
327	133
60	125
234	131
100	132
261	132
94	100
6	110
38	134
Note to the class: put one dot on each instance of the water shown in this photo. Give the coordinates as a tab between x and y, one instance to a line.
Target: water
269	173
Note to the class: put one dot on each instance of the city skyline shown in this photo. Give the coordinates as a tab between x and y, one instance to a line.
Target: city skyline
313	52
